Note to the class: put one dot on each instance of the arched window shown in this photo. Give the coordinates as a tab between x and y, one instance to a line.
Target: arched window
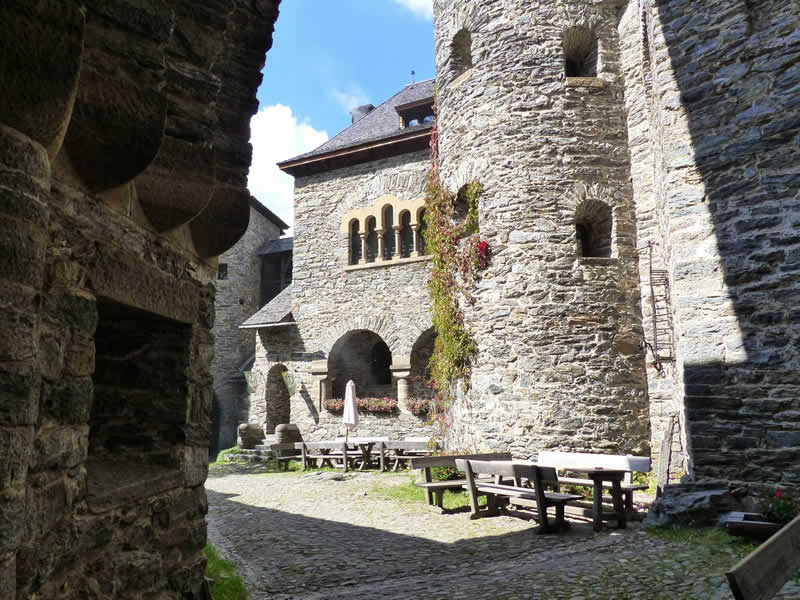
372	240
406	235
593	224
388	233
355	243
580	52
421	246
461	52
381	361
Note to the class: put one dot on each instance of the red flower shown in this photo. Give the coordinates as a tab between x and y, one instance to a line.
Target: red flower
778	495
483	248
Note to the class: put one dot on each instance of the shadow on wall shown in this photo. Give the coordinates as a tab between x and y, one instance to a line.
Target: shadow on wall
739	84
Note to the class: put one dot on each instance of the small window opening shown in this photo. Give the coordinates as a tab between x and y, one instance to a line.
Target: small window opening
406	235
372	240
355	243
593	224
222	271
423	225
580	52
461	52
389	244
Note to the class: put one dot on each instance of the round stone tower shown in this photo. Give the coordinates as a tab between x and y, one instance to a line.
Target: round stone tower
530	103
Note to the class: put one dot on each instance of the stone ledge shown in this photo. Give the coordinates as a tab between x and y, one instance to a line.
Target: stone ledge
388	263
461	79
587	82
113	483
597	261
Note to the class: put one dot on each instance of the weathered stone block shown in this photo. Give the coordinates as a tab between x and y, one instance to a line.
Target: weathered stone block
79	358
60	447
67	401
19	395
195	465
16	451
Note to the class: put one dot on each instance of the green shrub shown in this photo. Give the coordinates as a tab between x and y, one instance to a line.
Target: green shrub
227	585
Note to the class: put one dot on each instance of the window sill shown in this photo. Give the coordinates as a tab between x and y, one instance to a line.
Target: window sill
388	263
585	82
597	261
461	79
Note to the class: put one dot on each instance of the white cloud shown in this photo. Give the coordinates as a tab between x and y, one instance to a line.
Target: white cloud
421	8
276	135
350	98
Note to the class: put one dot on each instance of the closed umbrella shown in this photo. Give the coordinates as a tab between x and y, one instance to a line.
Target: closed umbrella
350	416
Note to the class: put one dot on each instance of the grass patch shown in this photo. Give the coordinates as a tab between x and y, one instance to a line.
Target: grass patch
223	453
227	585
408	493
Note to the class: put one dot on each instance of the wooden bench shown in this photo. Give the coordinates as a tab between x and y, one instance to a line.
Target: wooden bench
434	490
762	573
284	453
562	461
540	477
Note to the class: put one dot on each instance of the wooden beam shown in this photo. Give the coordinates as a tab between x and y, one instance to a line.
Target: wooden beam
762	573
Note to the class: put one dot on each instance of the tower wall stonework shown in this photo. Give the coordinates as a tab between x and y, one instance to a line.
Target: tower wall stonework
123	160
713	117
558	334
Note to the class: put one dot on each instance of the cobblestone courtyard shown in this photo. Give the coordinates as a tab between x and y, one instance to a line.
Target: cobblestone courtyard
298	535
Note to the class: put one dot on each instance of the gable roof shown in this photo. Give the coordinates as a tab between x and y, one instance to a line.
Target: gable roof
275	246
268	214
383	124
274	312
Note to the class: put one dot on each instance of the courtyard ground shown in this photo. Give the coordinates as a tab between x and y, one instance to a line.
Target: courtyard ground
308	536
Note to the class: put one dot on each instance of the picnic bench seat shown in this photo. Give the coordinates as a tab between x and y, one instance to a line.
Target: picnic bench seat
540	477
327	453
284	453
434	490
562	461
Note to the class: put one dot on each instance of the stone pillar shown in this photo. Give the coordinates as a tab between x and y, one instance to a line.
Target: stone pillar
414	241
321	382
396	242
402	389
401	369
380	258
363	260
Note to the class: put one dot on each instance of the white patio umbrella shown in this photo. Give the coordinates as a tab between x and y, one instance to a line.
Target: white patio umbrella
350	416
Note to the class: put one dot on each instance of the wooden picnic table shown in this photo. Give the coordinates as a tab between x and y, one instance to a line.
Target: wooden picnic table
614	476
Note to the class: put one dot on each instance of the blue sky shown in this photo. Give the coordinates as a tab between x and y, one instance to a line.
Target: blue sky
329	56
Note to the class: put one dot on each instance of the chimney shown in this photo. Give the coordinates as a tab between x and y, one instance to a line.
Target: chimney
360	112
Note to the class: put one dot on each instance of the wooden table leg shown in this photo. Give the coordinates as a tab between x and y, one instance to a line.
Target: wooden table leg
597	505
383	457
619	508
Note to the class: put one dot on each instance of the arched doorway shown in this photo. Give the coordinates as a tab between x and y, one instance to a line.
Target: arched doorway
420	374
365	358
277	398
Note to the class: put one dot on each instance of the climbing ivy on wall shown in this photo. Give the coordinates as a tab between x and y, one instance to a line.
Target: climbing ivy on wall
456	260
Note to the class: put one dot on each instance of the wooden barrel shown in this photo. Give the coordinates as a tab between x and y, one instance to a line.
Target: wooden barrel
287	433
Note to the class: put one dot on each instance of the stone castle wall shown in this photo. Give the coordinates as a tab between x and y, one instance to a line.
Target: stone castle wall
123	160
559	362
711	89
330	299
238	297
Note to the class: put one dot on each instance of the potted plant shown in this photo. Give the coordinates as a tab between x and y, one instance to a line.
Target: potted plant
776	511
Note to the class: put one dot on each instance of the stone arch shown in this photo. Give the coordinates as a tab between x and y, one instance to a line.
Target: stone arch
419	373
365	358
580	52
422	226
276	398
399	339
593	228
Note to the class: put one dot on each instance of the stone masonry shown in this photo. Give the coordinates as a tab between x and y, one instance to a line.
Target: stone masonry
331	300
558	328
123	162
238	296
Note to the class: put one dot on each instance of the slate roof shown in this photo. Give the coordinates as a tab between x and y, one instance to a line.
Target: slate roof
276	246
383	122
273	312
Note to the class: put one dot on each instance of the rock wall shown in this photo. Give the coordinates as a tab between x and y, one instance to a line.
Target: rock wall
335	303
558	332
238	297
123	158
717	196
